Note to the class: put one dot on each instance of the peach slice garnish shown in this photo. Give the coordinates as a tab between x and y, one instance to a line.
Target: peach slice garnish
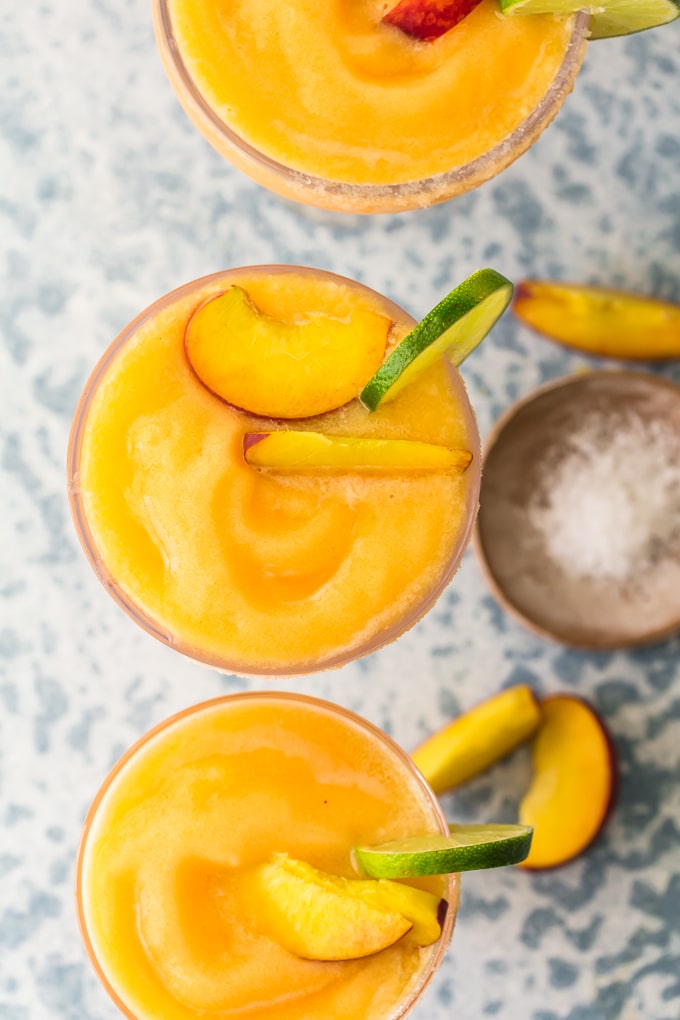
318	916
278	369
574	783
313	451
428	19
597	320
425	911
477	739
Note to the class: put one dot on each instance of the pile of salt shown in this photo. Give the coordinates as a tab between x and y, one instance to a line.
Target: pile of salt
608	506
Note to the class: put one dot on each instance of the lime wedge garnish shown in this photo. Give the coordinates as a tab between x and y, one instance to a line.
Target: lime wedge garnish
453	328
608	17
466	848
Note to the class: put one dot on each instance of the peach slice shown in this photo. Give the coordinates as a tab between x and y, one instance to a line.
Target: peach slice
428	19
318	916
312	451
574	782
610	323
282	369
425	911
477	739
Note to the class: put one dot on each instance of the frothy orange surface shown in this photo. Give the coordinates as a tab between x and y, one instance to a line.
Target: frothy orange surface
164	871
328	89
259	571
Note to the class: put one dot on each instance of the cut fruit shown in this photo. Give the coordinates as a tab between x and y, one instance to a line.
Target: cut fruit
608	17
574	782
478	738
453	328
467	848
312	451
424	910
428	19
318	916
282	369
609	323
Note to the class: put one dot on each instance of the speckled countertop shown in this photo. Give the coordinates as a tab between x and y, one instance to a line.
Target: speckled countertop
108	199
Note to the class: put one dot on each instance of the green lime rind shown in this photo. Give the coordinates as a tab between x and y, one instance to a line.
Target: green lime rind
453	328
608	18
467	848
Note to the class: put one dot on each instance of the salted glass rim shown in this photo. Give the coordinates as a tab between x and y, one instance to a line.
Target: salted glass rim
154	627
352	718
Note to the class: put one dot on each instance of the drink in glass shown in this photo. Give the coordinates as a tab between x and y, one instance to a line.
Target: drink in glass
254	571
164	893
329	105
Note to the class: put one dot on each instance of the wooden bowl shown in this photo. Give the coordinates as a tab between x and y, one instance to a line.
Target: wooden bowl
547	594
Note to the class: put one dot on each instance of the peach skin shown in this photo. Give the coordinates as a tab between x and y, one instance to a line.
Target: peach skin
428	19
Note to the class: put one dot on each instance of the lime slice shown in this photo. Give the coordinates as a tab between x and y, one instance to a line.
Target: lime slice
454	327
608	17
467	848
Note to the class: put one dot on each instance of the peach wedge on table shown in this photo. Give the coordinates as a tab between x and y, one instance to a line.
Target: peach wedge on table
312	451
600	321
278	369
475	740
318	916
574	782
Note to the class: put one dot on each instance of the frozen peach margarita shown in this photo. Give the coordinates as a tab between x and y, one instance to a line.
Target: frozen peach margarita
203	878
241	503
336	105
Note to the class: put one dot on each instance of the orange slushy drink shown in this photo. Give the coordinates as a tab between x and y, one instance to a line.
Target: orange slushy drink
167	905
257	571
329	105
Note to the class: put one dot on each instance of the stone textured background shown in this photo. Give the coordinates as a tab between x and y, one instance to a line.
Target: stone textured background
108	199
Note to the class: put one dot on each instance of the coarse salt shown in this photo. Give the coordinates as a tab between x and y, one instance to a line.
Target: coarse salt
608	506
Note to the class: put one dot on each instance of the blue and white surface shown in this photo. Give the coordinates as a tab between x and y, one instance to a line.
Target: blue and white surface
108	199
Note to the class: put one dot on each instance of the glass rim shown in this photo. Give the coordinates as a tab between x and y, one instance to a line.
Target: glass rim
313	189
154	627
352	718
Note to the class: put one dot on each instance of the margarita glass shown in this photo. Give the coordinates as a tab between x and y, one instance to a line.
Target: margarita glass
326	105
201	799
248	571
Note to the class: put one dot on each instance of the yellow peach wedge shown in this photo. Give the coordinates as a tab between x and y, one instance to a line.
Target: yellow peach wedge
313	451
318	916
278	369
597	320
421	908
574	783
477	739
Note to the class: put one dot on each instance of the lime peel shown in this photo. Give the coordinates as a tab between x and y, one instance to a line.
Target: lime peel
466	848
453	328
609	18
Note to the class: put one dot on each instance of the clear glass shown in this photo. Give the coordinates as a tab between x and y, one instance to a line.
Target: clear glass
362	198
154	627
401	759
